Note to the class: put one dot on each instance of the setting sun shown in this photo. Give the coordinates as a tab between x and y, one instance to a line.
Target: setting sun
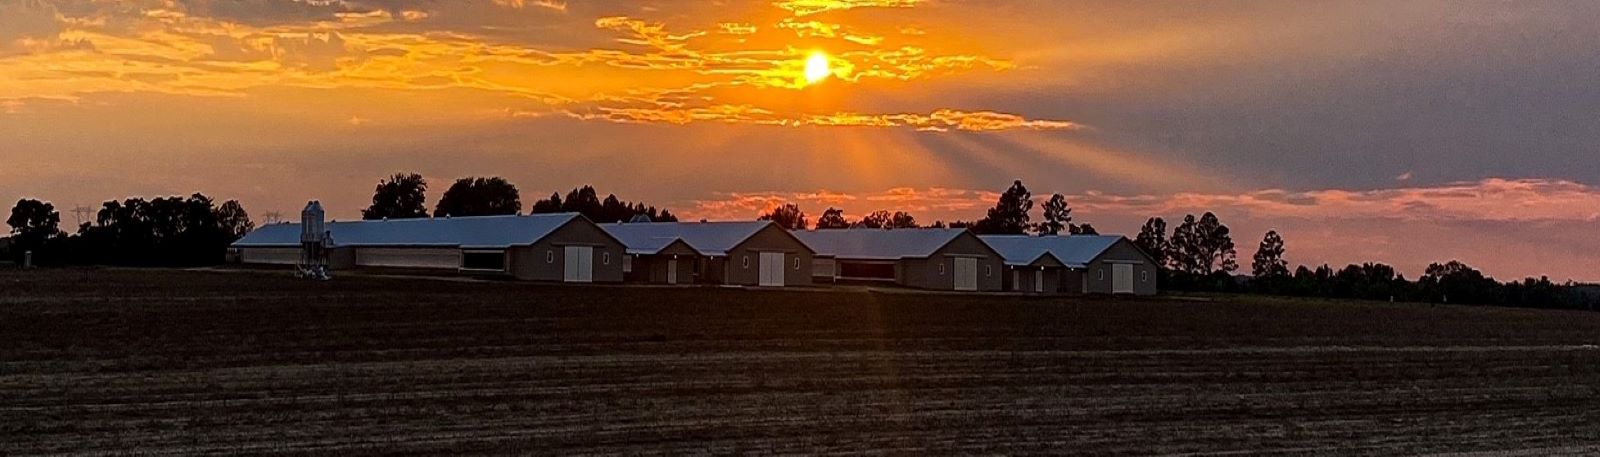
817	67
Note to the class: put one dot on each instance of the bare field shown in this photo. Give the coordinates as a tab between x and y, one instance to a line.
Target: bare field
95	361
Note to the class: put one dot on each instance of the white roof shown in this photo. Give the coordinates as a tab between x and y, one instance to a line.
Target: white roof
464	232
878	244
709	238
1075	251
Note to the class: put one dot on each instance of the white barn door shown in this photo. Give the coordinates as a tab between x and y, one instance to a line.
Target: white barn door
1121	278
771	269
966	274
672	271
1038	281
579	264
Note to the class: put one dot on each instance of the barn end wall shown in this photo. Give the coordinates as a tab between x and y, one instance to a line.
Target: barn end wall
769	239
1098	275
546	259
924	273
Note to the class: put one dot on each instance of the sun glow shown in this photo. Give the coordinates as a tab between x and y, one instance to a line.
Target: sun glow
817	67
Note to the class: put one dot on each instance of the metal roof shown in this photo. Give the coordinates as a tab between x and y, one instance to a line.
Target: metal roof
486	232
1075	251
878	244
709	238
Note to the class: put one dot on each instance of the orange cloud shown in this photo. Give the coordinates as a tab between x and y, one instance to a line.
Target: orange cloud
809	7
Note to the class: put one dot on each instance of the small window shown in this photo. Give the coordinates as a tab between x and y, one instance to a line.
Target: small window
988	270
797	264
745	262
1144	276
488	261
941	268
1102	274
605	258
550	256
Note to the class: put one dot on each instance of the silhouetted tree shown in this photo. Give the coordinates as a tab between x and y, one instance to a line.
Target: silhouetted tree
33	224
1456	282
1085	229
877	220
1268	262
1010	214
1153	240
1203	247
832	218
902	220
584	200
613	210
401	196
1057	216
234	220
478	196
548	206
787	216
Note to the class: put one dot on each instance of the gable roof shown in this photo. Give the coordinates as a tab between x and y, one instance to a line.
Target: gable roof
643	242
1075	251
488	232
878	244
709	238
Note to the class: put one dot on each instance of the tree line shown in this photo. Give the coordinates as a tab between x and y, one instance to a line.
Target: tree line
1199	255
404	196
1009	216
196	231
165	231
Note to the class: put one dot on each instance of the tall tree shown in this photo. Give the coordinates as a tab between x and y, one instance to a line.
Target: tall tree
33	223
902	220
551	205
1153	240
583	200
613	210
1203	246
401	196
1185	242
1216	248
235	222
1057	216
479	196
1268	262
877	220
1456	282
1009	216
787	216
832	218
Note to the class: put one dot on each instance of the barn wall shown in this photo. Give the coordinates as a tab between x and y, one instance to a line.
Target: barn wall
924	273
1098	274
270	256
769	239
403	257
546	259
1071	282
653	269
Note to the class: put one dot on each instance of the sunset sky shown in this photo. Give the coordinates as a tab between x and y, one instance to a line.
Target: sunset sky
1405	132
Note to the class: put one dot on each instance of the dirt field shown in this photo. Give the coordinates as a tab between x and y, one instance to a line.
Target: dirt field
243	363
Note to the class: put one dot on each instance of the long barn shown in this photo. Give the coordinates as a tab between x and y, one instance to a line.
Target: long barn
758	253
544	247
926	258
1076	264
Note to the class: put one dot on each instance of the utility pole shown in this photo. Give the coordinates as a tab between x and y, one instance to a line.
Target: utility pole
83	213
